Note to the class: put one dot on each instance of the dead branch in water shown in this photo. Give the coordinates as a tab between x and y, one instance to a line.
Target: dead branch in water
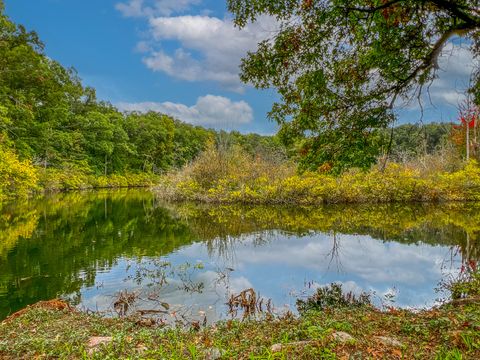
249	303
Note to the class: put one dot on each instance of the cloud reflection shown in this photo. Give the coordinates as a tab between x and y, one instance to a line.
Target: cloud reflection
286	267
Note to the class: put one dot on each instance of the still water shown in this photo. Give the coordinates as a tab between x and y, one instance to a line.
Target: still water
89	247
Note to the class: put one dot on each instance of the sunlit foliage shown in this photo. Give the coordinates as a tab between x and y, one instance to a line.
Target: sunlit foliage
17	177
262	182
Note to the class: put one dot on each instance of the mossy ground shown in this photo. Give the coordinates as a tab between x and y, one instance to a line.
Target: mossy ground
451	331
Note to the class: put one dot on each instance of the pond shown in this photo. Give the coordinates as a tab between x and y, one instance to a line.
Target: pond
94	248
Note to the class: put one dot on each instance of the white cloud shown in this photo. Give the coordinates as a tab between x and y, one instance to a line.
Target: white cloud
448	90
149	8
458	60
134	8
205	48
456	66
209	110
209	48
143	47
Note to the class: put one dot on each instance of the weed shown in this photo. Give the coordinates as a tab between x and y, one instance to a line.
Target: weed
249	303
332	296
215	176
454	354
52	330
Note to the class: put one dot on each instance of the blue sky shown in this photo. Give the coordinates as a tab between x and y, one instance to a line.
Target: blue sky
181	57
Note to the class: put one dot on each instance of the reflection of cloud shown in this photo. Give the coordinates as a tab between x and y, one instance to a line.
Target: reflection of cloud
351	286
367	258
282	266
235	285
209	300
367	264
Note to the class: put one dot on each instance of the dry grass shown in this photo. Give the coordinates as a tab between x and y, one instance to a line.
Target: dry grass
446	159
235	177
215	164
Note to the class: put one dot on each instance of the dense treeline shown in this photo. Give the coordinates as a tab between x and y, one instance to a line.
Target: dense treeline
50	118
400	144
413	140
52	127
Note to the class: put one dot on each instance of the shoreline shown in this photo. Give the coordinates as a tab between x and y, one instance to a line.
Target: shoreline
53	329
395	184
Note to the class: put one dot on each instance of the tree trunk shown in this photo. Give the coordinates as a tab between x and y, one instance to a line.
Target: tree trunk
468	142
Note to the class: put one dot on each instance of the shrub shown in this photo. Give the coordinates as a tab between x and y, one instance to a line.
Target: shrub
67	178
17	178
234	176
226	176
78	177
332	296
466	285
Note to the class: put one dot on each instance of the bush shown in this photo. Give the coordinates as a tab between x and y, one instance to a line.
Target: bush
466	285
234	176
332	296
226	176
17	178
78	177
67	178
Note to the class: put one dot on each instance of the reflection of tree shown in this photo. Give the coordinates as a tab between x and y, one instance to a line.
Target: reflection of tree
446	225
470	252
334	253
78	234
15	226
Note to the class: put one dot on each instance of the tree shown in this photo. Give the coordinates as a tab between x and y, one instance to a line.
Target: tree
18	178
152	136
37	93
189	141
465	135
341	65
414	140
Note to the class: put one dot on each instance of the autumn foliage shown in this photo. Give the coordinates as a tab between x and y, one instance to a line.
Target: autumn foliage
236	178
17	177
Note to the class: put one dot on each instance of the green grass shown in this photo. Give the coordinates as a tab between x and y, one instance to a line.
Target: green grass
451	331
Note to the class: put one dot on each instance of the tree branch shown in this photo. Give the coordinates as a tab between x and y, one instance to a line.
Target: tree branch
457	11
374	8
454	9
431	60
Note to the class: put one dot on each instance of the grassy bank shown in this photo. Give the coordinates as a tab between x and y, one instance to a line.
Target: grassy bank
56	180
235	177
328	328
21	179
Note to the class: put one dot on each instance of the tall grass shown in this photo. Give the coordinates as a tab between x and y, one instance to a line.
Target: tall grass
233	176
234	166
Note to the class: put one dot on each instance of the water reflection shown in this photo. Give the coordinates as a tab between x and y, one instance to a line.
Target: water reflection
89	246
